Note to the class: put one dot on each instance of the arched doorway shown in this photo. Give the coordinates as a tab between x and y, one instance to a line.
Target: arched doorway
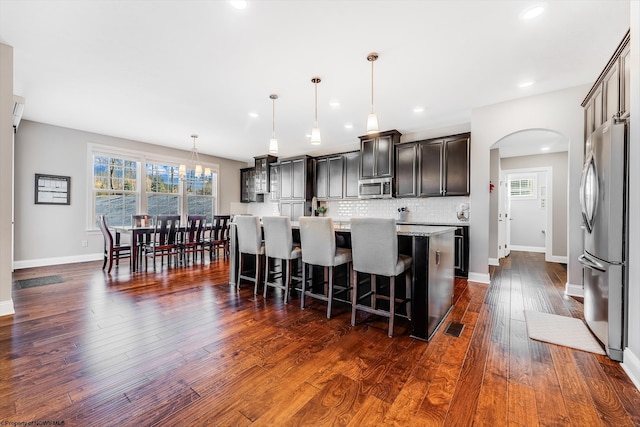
536	161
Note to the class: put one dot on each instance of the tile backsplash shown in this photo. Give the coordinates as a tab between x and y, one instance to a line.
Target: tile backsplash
437	210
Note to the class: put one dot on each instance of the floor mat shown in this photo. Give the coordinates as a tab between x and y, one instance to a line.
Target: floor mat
561	330
38	281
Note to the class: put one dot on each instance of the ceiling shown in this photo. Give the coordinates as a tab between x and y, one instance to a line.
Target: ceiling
158	71
532	141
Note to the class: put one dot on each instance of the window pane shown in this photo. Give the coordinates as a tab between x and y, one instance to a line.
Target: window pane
117	207
162	178
163	204
201	205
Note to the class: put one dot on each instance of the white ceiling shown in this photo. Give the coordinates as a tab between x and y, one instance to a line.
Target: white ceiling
158	71
532	141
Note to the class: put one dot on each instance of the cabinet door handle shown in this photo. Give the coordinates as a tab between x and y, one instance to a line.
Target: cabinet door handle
437	257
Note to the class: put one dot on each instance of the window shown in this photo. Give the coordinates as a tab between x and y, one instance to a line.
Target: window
522	187
125	183
201	195
163	189
115	188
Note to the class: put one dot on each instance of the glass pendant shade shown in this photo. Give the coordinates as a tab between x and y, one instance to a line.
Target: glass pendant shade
273	146
182	171
315	135
207	171
198	170
372	123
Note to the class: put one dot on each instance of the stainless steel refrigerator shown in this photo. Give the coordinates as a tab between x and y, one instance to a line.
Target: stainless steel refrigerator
604	198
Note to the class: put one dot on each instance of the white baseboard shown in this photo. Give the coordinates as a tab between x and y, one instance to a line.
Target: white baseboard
558	259
528	248
6	308
494	261
42	262
479	277
631	366
573	290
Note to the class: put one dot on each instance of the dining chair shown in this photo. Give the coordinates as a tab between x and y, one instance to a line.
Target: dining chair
249	235
164	240
278	245
138	221
318	239
112	250
218	237
374	247
192	240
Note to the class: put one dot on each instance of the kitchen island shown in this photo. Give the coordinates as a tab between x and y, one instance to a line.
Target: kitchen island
432	270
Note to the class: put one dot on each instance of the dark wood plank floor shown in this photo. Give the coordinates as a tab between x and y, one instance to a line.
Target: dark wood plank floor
181	347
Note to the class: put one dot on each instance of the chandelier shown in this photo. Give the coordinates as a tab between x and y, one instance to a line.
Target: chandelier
193	163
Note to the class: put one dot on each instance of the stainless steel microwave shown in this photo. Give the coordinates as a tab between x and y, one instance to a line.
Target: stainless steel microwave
377	188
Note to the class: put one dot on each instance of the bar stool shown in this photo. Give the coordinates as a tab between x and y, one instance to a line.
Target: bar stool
278	243
318	239
367	236
249	242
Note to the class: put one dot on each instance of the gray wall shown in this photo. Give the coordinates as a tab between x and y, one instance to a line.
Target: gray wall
559	111
558	163
6	176
59	230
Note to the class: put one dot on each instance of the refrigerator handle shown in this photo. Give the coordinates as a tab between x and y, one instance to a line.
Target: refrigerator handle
594	265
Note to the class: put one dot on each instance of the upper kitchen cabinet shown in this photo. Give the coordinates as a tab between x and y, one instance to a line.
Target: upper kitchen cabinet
330	177
247	185
337	176
351	174
609	96
443	166
377	154
296	178
406	170
262	171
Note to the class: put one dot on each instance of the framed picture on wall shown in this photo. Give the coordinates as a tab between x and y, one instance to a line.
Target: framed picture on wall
52	190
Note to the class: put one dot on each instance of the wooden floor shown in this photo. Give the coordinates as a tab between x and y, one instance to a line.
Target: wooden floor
181	347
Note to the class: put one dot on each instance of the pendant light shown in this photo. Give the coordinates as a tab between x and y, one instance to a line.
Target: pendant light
315	132
273	143
372	120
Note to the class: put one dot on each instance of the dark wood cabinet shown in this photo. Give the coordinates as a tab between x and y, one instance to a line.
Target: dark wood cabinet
406	170
377	154
247	185
274	181
352	175
444	166
461	250
296	186
262	171
330	178
336	176
609	96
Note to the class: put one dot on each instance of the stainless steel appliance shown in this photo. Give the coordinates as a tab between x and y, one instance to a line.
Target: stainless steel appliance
603	198
376	188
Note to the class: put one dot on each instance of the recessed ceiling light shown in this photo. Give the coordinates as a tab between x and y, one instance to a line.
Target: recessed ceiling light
545	148
238	4
532	12
334	104
418	109
526	83
253	114
348	125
